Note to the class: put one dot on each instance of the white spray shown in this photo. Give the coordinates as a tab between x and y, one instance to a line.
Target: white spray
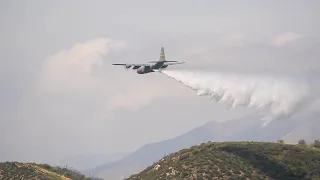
279	97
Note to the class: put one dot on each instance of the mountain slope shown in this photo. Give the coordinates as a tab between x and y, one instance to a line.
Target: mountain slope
144	156
243	129
85	162
16	170
237	160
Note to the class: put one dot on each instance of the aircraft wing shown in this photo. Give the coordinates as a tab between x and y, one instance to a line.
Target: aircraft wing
132	64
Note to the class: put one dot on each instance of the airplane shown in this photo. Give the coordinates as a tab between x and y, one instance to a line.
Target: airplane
162	63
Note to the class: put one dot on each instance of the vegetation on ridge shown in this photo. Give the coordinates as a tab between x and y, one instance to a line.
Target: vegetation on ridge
237	160
16	170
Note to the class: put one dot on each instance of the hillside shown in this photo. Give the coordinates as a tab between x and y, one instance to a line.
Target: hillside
237	160
248	129
16	170
85	162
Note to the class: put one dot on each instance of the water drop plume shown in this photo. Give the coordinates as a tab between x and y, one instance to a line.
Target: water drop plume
274	96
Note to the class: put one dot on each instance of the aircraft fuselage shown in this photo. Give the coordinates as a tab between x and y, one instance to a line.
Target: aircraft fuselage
146	69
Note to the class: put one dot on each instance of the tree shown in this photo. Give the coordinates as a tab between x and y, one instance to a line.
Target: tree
316	143
281	141
302	141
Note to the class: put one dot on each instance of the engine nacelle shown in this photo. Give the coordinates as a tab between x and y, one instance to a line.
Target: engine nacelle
164	66
135	67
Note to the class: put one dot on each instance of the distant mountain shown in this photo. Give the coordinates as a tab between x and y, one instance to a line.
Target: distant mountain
17	170
237	160
242	129
85	162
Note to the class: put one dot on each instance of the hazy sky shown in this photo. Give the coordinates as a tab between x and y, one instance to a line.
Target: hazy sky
60	96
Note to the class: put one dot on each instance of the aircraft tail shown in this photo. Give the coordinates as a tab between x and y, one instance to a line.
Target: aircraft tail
162	55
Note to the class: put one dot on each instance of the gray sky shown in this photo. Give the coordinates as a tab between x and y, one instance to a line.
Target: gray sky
60	95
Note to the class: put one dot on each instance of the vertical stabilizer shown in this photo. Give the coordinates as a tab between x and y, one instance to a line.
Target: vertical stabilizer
162	55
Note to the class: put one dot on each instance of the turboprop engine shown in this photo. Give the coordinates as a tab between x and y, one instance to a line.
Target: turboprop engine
127	66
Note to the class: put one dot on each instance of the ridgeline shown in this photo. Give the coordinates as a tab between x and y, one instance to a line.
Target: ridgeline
237	160
16	170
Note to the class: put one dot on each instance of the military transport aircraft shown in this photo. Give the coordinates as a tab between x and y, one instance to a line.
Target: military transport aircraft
156	66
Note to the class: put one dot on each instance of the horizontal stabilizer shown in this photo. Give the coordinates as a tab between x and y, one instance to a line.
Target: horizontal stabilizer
173	63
